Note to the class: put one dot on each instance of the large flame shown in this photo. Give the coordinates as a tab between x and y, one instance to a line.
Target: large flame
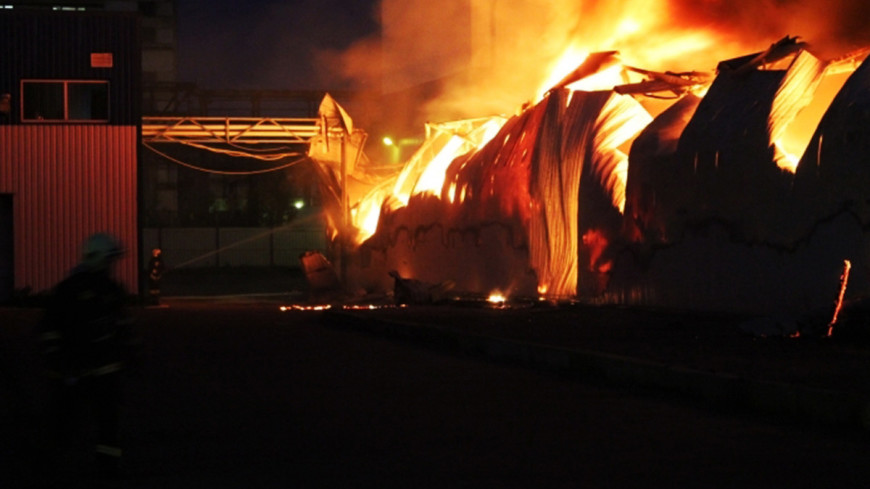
425	171
650	59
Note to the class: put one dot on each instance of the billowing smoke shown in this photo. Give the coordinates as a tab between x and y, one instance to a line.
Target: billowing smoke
831	27
482	57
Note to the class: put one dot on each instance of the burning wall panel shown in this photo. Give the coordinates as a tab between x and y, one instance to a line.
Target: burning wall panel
427	168
577	174
418	242
519	198
795	93
475	227
493	182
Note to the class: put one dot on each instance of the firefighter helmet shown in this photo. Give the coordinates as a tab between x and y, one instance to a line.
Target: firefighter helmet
100	250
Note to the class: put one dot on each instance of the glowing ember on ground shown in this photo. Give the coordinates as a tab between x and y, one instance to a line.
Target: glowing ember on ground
369	307
844	280
496	298
296	307
346	307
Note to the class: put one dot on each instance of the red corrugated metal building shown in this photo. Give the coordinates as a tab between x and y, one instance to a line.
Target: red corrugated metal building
69	132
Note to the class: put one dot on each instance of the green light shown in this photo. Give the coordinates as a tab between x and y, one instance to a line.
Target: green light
299	204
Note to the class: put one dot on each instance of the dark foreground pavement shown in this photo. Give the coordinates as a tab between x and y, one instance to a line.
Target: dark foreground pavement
236	393
707	357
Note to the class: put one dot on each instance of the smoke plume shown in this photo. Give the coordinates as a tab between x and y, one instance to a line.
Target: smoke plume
485	57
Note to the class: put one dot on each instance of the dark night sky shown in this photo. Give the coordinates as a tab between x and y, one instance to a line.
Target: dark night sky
268	44
277	44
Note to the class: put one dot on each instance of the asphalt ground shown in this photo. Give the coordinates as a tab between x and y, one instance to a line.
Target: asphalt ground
233	392
711	344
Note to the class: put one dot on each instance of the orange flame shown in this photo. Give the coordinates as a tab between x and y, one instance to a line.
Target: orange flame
425	171
496	297
369	307
639	40
656	41
844	280
297	307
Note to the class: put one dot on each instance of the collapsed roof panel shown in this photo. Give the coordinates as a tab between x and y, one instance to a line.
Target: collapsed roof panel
577	144
727	154
652	171
835	169
527	181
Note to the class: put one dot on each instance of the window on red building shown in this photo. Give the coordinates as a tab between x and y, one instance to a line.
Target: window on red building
64	101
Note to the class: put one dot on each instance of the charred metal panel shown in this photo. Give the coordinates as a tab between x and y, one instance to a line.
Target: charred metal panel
835	169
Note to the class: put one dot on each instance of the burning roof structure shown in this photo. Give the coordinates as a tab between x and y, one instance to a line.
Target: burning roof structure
730	198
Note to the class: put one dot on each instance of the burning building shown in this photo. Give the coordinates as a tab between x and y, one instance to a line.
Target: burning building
730	197
719	215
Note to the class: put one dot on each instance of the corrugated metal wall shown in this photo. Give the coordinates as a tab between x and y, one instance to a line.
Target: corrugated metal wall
6	255
67	182
58	45
70	180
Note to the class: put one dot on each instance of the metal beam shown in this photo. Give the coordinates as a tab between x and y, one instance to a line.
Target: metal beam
229	130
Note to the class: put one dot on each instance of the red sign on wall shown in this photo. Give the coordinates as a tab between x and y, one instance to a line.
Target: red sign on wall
101	60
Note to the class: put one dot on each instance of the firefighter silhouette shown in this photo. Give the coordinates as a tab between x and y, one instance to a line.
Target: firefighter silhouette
87	339
155	273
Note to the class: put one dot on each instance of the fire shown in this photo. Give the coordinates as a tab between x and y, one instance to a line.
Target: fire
628	27
784	159
844	280
639	38
496	297
578	70
603	87
297	307
366	214
570	59
657	40
425	171
369	307
432	177
605	79
795	138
